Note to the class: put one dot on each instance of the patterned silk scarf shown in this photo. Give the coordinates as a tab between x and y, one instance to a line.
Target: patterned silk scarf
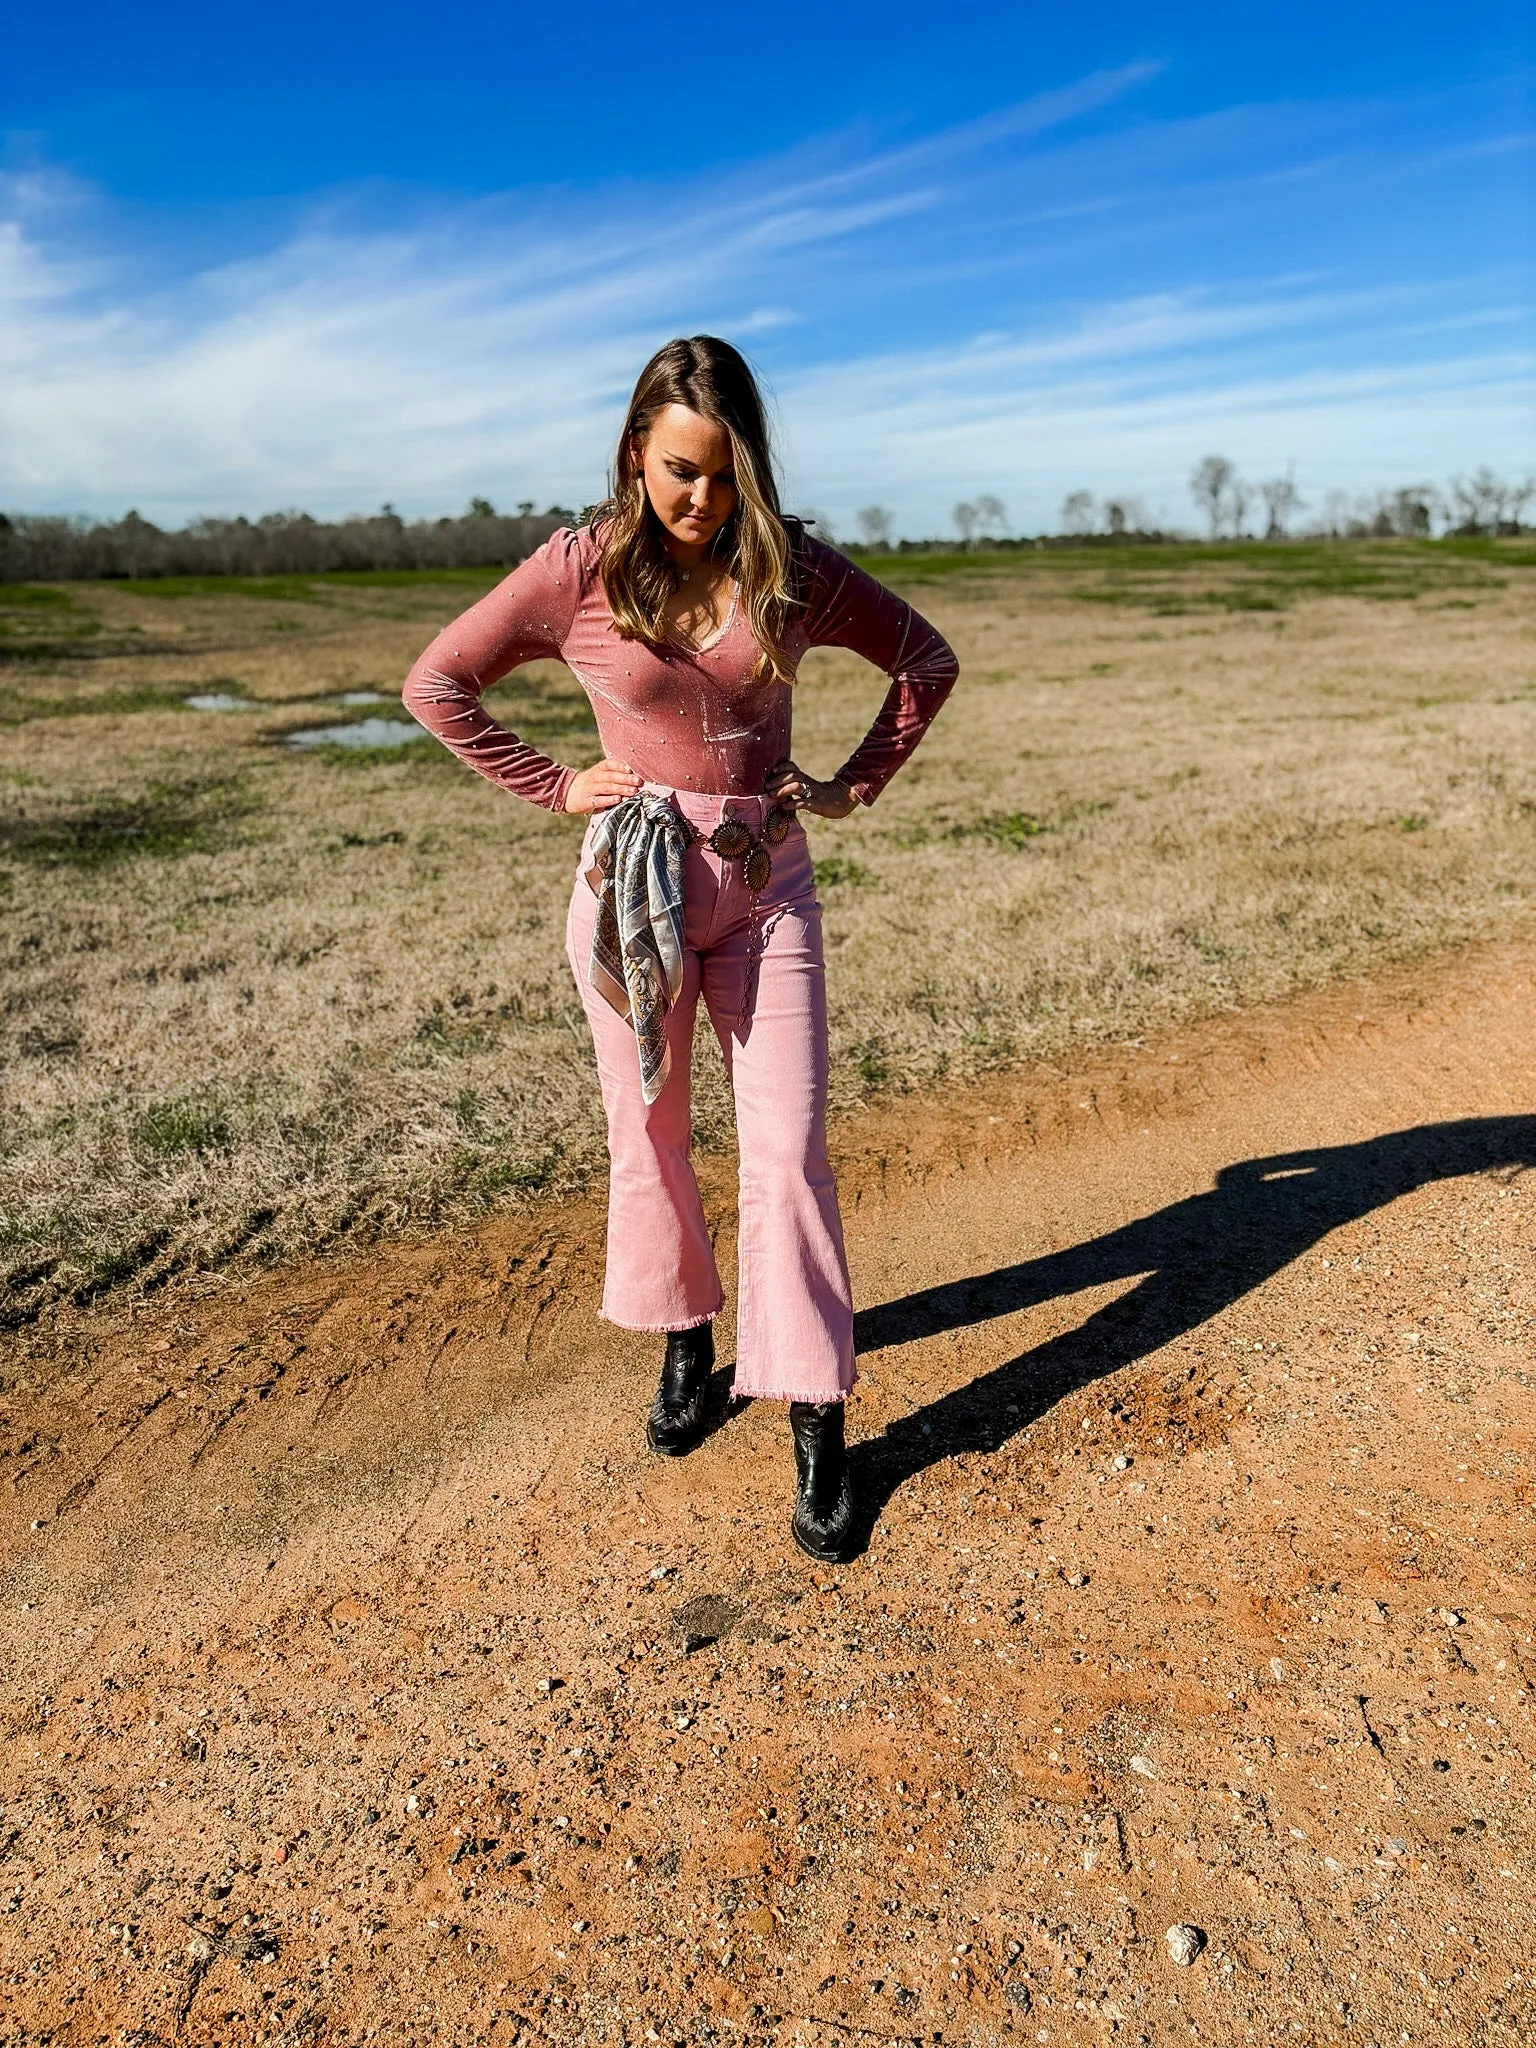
637	870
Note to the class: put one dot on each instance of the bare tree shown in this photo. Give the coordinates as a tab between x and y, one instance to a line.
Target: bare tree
1209	483
1382	515
875	525
1125	514
822	525
1079	512
1336	513
1282	501
1412	510
992	512
1477	501
964	516
1485	503
1239	498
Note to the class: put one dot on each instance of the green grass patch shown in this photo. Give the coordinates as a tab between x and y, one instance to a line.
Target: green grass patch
40	623
295	589
1012	829
415	579
279	589
351	839
457	1037
21	707
873	1063
1173	577
491	1173
836	871
1265	576
167	820
1507	554
893	567
411	753
187	1125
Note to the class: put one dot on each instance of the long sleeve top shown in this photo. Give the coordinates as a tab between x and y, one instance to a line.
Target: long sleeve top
686	719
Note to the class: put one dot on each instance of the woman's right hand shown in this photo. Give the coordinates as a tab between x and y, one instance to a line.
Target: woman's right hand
601	786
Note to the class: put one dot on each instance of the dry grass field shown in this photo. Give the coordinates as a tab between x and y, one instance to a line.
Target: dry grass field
259	997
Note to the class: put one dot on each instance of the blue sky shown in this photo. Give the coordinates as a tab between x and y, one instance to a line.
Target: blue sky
334	255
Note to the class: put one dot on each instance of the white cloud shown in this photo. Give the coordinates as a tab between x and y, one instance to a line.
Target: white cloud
490	350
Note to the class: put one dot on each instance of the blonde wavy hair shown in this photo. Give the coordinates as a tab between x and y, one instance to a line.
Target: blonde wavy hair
710	378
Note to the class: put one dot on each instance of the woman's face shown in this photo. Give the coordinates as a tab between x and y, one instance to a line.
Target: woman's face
689	476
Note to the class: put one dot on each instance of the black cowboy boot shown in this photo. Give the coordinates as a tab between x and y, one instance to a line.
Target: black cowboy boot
823	1506
676	1420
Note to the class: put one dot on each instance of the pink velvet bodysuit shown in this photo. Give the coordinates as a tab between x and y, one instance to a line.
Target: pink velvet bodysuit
691	721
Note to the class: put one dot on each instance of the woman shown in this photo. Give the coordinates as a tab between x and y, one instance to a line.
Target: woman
683	608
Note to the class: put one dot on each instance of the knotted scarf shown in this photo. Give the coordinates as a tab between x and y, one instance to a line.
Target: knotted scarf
637	875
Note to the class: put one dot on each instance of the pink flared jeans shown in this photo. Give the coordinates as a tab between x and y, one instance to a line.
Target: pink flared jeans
764	985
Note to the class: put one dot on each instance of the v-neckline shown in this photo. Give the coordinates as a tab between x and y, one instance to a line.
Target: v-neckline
703	646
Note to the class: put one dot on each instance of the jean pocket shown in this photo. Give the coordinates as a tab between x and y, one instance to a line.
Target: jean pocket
792	867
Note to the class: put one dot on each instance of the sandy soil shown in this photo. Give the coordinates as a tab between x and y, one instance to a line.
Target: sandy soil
367	1681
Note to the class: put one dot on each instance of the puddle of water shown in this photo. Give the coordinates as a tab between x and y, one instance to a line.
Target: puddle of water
361	697
367	732
218	700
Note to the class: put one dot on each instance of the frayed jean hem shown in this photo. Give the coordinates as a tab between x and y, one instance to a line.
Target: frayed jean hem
658	1329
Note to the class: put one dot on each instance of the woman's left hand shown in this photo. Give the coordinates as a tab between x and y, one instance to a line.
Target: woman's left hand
790	785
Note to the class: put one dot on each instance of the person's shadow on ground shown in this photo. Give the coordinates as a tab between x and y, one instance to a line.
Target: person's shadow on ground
1198	1257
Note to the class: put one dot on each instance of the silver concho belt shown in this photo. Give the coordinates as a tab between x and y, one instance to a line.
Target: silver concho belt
733	840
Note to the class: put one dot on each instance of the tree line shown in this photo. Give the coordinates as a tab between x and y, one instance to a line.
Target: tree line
50	549
1482	503
1234	508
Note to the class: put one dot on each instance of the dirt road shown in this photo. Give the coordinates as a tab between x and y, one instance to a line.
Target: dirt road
366	1681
